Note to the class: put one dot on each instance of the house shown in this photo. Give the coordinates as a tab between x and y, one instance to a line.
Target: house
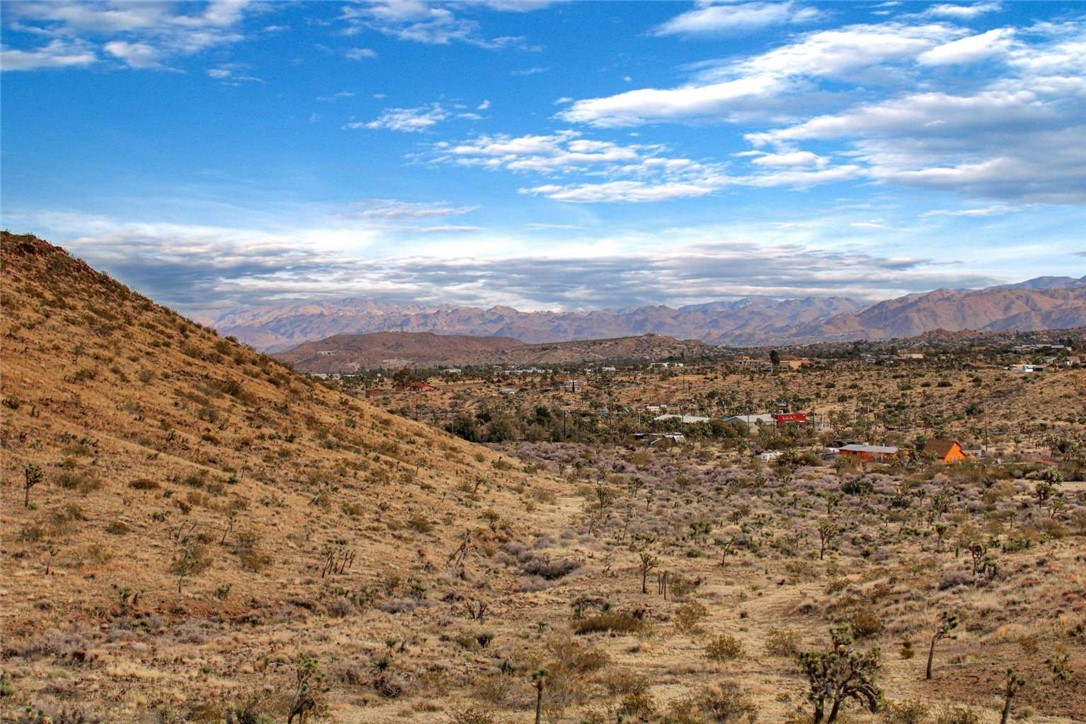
783	418
574	386
946	451
870	453
684	419
792	362
765	419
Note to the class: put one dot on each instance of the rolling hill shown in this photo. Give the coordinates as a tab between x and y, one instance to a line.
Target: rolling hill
393	350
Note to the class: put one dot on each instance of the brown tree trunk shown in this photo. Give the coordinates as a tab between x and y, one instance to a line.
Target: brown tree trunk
931	657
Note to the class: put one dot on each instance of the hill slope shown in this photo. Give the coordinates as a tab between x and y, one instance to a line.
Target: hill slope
160	446
348	352
351	352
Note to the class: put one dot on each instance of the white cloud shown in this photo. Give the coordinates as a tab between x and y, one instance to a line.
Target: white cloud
395	209
141	35
360	54
962	12
406	120
56	54
883	115
620	192
233	74
713	19
135	55
971	49
432	23
653	104
483	106
789	159
751	87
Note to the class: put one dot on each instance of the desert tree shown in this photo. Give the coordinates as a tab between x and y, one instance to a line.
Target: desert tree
827	531
1011	687
308	686
647	564
190	560
948	623
840	674
32	475
539	677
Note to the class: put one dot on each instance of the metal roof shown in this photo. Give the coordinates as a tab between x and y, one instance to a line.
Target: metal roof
877	449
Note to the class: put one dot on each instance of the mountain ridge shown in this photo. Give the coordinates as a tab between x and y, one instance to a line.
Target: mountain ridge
1035	304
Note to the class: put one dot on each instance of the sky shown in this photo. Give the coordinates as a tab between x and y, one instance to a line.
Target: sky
543	154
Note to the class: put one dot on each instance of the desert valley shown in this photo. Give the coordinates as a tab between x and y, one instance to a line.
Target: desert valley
635	529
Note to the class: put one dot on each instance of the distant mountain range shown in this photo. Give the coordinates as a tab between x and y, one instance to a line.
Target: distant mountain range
1037	304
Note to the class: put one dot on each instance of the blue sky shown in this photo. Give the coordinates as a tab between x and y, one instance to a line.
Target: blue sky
547	155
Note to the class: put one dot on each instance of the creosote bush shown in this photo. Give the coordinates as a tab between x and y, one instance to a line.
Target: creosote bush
724	648
608	622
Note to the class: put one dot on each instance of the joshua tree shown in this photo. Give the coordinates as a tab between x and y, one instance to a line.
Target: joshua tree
1012	686
827	531
948	623
539	676
648	562
32	475
191	560
841	674
309	679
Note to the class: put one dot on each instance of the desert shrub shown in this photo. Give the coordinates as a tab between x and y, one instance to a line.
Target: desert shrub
726	703
471	715
567	654
391	684
75	480
419	523
638	706
399	605
619	681
118	527
953	579
783	642
353	509
144	484
340	607
544	567
688	617
680	586
31	532
500	690
859	486
952	714
724	648
247	548
911	711
68	646
609	622
866	623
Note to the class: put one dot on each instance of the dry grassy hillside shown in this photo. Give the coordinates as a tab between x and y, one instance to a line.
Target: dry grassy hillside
159	445
193	533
